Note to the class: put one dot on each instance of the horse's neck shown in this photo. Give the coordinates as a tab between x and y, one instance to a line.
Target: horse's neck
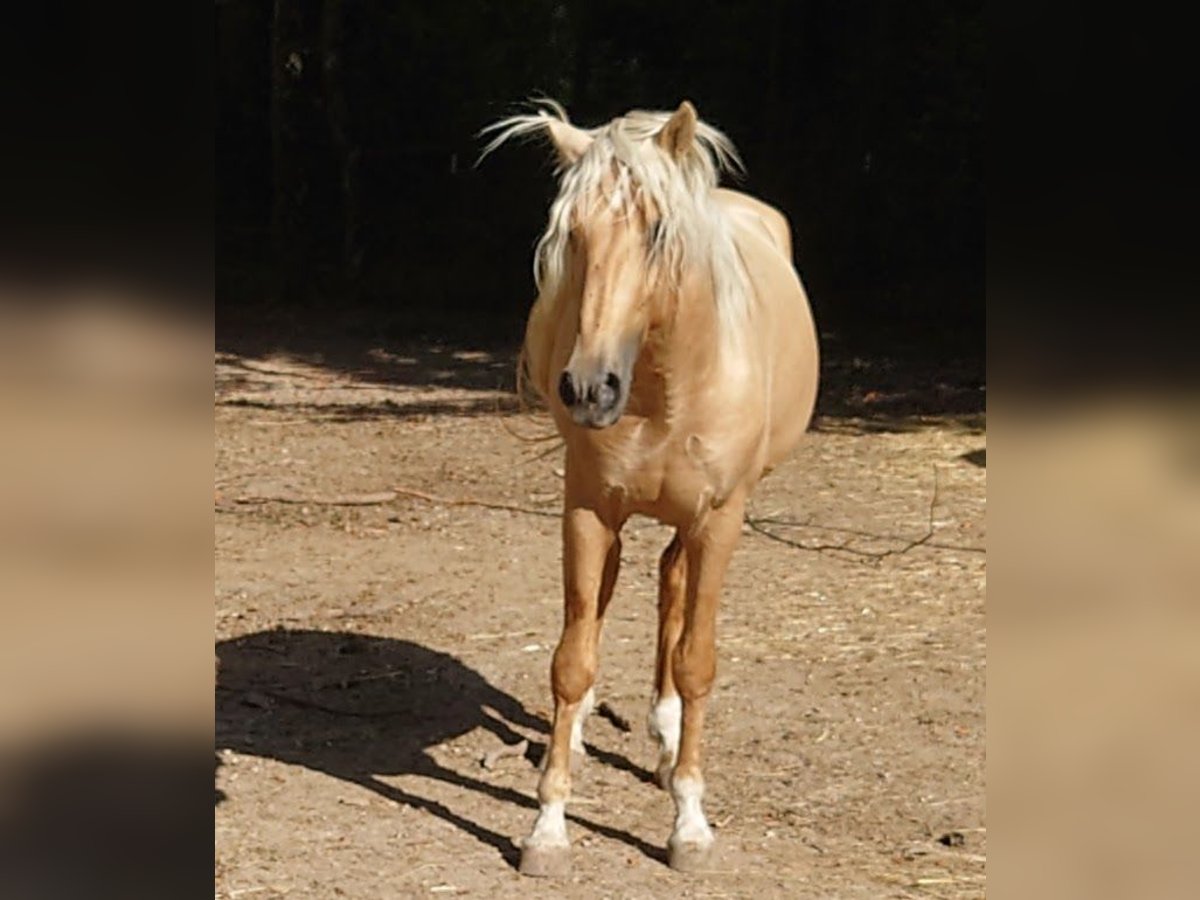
680	357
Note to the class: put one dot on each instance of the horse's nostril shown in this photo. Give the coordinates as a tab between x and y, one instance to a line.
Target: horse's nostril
608	394
566	390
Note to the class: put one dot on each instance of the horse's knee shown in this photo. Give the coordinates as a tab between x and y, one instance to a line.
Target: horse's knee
572	673
694	668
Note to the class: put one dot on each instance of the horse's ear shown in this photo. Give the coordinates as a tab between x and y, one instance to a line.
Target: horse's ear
569	141
678	134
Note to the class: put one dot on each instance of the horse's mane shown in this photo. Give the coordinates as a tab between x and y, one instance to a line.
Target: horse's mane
624	166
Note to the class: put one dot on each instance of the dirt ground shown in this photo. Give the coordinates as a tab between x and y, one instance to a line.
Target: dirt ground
388	599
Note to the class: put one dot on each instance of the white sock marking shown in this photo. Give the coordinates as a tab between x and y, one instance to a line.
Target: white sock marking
690	825
550	829
665	722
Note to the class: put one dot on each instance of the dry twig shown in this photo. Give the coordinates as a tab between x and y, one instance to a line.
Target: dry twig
470	501
371	499
873	556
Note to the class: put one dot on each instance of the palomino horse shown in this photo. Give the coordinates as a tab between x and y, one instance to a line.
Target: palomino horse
673	343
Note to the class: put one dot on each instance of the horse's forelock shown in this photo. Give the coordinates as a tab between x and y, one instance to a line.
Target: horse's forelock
625	167
692	230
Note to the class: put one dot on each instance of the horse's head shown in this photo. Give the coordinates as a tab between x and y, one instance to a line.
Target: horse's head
632	204
615	284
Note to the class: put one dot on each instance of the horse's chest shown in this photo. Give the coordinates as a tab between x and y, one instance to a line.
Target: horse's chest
631	469
666	479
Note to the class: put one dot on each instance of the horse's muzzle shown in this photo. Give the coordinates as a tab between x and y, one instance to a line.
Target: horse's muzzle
594	402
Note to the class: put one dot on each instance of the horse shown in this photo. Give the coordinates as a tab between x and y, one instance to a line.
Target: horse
673	343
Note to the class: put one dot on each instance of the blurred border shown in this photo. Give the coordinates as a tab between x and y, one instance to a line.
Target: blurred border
105	503
106	274
1095	439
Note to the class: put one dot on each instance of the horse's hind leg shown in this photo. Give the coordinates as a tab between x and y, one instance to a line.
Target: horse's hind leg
666	709
587	542
709	548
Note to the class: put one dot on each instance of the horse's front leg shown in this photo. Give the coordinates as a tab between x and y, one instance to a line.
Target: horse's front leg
708	548
588	574
612	565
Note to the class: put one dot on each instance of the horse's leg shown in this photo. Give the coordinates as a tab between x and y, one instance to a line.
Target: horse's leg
587	542
665	708
612	565
708	547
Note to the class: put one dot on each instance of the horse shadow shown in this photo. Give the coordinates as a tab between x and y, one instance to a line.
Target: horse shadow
357	707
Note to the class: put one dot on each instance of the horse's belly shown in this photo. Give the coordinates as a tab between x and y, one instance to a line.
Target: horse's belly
792	348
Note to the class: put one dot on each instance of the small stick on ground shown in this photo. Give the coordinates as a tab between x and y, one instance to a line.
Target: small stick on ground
323	499
470	501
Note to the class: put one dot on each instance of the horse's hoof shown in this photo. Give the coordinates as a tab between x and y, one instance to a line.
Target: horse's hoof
689	857
545	862
578	761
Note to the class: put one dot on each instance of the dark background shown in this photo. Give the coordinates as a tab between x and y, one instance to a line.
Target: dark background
348	201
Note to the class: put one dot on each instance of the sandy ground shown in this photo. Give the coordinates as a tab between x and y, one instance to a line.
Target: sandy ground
374	648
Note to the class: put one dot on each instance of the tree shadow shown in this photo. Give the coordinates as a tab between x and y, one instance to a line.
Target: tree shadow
883	382
347	378
898	390
338	379
385	409
358	707
377	360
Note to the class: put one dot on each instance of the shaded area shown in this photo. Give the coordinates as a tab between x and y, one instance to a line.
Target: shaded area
358	707
899	386
885	388
976	457
348	381
385	409
380	359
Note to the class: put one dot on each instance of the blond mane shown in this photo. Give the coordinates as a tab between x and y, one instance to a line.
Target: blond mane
624	167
